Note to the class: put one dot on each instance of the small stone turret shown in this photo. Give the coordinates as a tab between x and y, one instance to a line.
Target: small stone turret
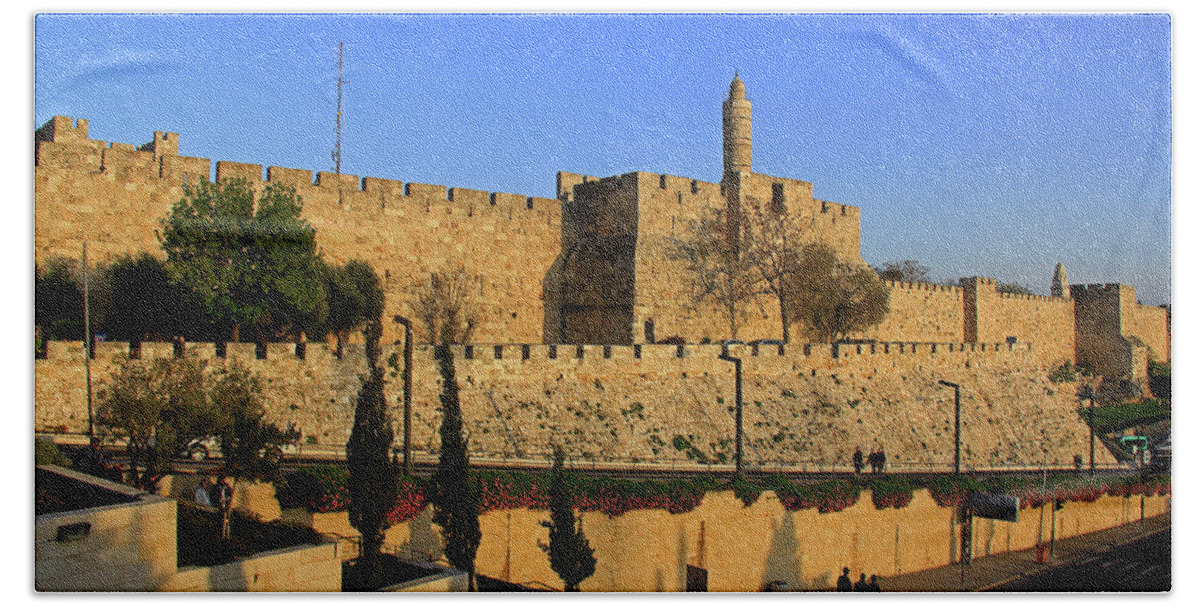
735	120
1058	285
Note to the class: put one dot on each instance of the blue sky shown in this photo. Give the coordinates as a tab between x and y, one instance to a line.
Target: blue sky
990	145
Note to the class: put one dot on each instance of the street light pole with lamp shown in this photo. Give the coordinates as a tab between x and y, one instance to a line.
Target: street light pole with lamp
957	424
1086	392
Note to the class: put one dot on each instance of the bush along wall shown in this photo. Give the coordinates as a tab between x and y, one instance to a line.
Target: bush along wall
324	489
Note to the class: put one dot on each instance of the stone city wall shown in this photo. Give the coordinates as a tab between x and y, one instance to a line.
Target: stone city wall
114	196
807	407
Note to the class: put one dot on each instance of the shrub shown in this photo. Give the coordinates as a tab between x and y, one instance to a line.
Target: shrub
951	491
46	452
891	491
320	489
826	496
746	490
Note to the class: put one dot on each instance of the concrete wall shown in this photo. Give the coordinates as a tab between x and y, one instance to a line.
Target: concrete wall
130	547
743	548
808	407
303	569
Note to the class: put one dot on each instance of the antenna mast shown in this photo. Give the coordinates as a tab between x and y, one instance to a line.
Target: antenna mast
337	151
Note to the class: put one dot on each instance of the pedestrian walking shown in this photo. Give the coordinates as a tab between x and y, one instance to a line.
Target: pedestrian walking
222	498
858	460
882	459
202	494
873	459
861	583
843	582
873	585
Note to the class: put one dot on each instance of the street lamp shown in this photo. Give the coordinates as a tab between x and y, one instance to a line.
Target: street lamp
957	424
407	376
737	393
1086	392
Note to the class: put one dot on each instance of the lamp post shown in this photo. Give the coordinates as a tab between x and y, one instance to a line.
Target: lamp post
957	424
1086	392
737	394
407	376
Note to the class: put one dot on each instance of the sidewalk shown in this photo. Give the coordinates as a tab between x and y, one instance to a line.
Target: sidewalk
987	572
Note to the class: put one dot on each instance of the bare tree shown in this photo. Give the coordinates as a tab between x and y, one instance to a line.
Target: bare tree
775	240
445	308
717	256
834	298
910	271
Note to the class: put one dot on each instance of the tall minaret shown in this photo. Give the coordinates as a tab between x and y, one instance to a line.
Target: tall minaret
1058	286
735	120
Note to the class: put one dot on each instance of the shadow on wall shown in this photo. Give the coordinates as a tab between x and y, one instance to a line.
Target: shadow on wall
423	542
784	558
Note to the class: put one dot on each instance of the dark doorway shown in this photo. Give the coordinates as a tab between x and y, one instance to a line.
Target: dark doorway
697	579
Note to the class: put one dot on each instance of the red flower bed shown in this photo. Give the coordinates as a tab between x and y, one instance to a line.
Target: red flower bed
410	501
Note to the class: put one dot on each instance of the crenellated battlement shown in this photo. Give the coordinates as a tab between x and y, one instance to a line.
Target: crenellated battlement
61	144
922	286
320	354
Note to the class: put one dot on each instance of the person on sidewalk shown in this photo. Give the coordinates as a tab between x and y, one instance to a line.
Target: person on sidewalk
882	459
861	584
858	460
874	584
201	495
843	582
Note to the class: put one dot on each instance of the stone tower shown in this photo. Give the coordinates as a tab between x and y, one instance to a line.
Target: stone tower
735	122
1058	285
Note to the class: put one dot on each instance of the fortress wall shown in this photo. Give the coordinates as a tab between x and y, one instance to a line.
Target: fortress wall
997	316
114	197
1147	323
921	311
806	407
670	210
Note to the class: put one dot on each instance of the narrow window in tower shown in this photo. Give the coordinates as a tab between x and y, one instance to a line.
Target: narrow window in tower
777	198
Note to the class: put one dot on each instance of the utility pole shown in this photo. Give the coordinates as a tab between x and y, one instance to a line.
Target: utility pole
337	151
87	348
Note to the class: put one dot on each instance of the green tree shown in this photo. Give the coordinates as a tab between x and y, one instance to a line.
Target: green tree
354	298
717	256
834	298
251	447
247	263
374	479
456	503
58	298
146	305
571	556
158	410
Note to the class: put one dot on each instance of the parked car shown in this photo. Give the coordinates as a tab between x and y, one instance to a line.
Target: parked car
202	448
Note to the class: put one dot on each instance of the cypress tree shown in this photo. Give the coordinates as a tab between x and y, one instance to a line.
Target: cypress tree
374	478
456	504
571	556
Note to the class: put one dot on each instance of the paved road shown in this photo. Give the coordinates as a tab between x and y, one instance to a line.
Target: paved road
1143	565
